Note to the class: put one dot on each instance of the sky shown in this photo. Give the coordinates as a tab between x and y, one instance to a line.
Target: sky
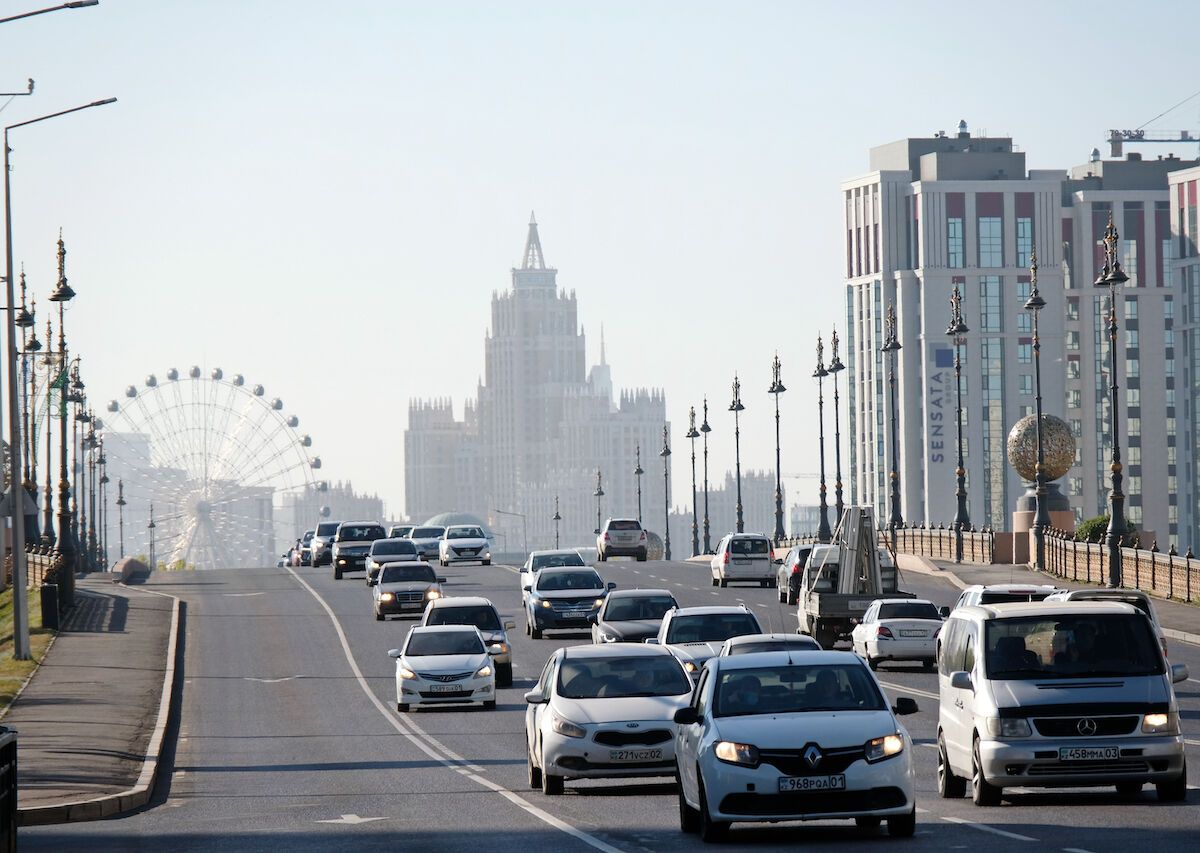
324	196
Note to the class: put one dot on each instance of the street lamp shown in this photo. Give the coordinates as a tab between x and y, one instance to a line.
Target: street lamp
1113	277
150	527
737	408
51	380
524	526
556	519
892	346
1041	517
665	453
121	514
102	464
599	493
75	396
638	472
65	560
777	388
956	330
823	532
835	367
705	429
20	606
31	346
693	434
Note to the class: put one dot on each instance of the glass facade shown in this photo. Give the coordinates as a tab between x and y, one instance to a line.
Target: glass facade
991	241
995	432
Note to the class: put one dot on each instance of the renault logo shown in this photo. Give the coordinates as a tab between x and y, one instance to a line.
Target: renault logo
1086	726
812	756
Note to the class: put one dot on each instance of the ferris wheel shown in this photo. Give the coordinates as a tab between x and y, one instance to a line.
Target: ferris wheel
224	469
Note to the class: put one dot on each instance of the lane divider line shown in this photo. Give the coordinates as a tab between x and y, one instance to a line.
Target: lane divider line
443	755
902	689
1003	833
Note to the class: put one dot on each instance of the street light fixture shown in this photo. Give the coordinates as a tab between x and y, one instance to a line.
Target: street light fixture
74	4
693	434
665	453
835	367
599	493
1041	516
1113	277
524	526
638	472
823	532
956	330
556	519
777	388
705	429
892	346
737	408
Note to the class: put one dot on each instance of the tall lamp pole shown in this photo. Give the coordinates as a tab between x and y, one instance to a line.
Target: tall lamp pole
121	514
102	463
637	472
1041	516
835	367
737	408
705	429
524	525
693	434
31	346
150	527
599	493
891	346
49	360
64	564
823	532
1113	277
76	398
956	330
665	453
777	388
556	519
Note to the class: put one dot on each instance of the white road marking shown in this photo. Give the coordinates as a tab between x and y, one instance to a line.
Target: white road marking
1075	850
352	819
1194	680
1191	742
985	828
442	755
241	594
272	680
930	745
714	593
901	688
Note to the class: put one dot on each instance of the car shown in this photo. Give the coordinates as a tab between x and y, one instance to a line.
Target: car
695	634
751	643
790	573
780	736
631	615
445	665
428	541
1136	597
388	551
1056	694
351	544
477	611
322	542
896	629
399	531
603	711
743	557
405	588
306	547
999	593
538	560
621	537
464	543
564	598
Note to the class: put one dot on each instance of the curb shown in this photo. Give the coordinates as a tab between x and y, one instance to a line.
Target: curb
137	796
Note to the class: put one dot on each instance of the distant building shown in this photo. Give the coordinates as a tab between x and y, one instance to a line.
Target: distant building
305	509
806	520
1182	343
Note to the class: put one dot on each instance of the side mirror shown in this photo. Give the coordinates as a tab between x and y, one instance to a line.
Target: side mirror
495	649
904	706
944	612
778	561
612	584
525	587
534	697
1179	672
394	653
651	641
509	626
686	716
961	681
441	580
593	618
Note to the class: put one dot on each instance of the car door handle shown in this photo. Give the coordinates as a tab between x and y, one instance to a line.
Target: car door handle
958	703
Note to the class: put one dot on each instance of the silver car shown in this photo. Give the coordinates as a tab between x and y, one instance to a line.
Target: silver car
477	611
621	537
428	541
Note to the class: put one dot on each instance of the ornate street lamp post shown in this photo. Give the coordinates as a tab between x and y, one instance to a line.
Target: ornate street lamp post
49	361
65	562
1113	277
737	408
102	462
823	532
638	472
150	527
75	397
599	493
665	453
705	429
835	367
777	388
956	330
556	518
693	434
1041	516
892	346
30	346
121	515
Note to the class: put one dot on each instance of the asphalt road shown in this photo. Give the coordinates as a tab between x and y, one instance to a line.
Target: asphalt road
288	737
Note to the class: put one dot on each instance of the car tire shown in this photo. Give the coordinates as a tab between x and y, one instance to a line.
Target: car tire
782	596
552	785
793	595
949	786
872	662
716	582
903	826
641	557
724	583
402	707
534	631
487	562
534	772
868	825
711	831
1174	791
601	557
689	818
379	617
983	793
489	705
504	675
337	574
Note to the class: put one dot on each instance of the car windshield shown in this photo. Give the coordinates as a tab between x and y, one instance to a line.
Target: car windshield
403	574
402	530
626	608
554	581
482	616
1142	604
909	610
427	532
774	646
616	678
308	535
749	547
327	528
360	533
624	525
1075	645
711	627
464	533
393	546
998	597
443	643
791	689
551	561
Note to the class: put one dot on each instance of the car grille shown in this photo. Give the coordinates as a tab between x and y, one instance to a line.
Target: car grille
409	597
646	738
813	802
790	762
455	694
465	552
1069	726
572	606
1087	768
444	678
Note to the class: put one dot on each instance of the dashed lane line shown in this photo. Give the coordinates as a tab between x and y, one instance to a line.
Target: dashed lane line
438	751
903	689
983	827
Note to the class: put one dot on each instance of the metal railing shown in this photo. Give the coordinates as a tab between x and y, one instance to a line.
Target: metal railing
979	546
1170	575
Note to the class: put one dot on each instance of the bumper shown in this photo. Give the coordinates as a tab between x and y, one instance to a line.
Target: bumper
901	649
583	758
469	691
1034	763
614	550
763	571
351	562
401	608
548	620
451	557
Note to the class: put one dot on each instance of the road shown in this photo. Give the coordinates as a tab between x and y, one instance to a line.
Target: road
288	737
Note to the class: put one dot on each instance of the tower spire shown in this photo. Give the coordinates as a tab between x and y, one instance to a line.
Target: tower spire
603	360
534	259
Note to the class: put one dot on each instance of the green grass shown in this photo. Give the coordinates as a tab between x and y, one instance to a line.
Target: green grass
14	672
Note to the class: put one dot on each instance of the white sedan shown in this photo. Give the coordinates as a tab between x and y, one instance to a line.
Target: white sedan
603	711
778	736
898	629
464	543
445	665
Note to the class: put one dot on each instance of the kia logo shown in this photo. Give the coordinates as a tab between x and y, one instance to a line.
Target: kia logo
631	725
1086	726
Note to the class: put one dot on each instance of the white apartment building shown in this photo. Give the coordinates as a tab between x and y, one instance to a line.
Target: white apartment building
1184	461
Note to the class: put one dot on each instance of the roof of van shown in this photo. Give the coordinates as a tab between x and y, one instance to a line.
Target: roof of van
1017	609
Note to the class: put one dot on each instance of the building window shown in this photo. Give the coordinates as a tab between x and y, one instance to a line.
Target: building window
1135	455
1024	240
954	243
1073	369
1074	399
1166	263
1075	486
1076	427
1073	308
1024	353
1135	427
1168	308
1026	383
1131	338
991	242
1131	261
1133	397
989	303
1131	308
1073	340
1133	368
1024	323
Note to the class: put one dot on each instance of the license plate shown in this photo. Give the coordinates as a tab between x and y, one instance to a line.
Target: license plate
812	783
911	633
636	755
741	562
859	603
444	688
1089	753
411	605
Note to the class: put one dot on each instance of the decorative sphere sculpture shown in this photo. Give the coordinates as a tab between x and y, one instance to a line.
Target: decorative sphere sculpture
1058	447
324	512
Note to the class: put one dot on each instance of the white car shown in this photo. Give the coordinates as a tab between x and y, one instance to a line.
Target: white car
743	557
445	665
603	711
464	543
898	629
778	736
1136	597
695	634
748	644
392	550
428	541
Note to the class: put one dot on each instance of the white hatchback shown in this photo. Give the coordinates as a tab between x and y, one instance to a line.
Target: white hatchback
445	665
898	629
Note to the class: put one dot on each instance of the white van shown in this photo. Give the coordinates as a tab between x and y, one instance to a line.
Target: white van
743	557
1056	694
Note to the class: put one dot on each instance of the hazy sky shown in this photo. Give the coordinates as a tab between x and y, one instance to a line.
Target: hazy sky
323	196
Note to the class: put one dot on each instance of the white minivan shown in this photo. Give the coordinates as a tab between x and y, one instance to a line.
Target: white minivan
743	557
1056	694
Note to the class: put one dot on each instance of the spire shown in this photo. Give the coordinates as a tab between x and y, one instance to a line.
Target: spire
603	360
533	248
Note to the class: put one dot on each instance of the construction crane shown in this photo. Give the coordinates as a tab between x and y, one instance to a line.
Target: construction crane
1118	138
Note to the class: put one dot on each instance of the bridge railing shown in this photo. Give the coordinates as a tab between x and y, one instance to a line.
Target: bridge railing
1170	575
979	546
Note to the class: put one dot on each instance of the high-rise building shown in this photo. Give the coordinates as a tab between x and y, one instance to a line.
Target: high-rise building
1183	331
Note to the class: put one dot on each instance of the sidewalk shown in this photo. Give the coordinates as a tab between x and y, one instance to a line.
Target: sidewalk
87	718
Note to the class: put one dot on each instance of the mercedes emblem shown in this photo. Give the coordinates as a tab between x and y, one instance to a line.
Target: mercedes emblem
1087	726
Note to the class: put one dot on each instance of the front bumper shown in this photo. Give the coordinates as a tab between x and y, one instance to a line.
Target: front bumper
350	562
547	619
905	649
584	758
473	690
402	606
481	554
1034	762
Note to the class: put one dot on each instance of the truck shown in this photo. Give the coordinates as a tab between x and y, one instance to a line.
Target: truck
841	579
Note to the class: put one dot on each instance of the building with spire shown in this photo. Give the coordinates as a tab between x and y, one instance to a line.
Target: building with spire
540	427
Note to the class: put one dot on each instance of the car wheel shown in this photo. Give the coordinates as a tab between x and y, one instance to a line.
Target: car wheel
716	582
489	705
487	562
950	787
504	675
689	818
903	826
927	665
1174	791
535	631
982	792
873	663
337	574
600	556
528	622
641	557
724	583
868	825
711	831
379	617
402	707
782	595
763	584
793	595
552	785
534	772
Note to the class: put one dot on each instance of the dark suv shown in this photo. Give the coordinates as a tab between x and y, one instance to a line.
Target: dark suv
351	544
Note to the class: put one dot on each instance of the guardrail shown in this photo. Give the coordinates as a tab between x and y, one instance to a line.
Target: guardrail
8	790
979	546
1170	575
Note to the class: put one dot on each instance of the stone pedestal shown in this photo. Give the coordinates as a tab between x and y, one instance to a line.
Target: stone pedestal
1059	510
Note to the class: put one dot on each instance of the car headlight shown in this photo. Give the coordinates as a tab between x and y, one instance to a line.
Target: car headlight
484	671
386	596
487	555
505	648
884	747
432	594
566	727
736	753
1161	724
1008	727
545	602
598	603
405	672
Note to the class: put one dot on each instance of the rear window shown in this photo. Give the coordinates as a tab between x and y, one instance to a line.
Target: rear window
360	533
908	610
393	546
481	616
756	547
992	597
427	532
630	608
774	646
711	627
404	574
624	525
